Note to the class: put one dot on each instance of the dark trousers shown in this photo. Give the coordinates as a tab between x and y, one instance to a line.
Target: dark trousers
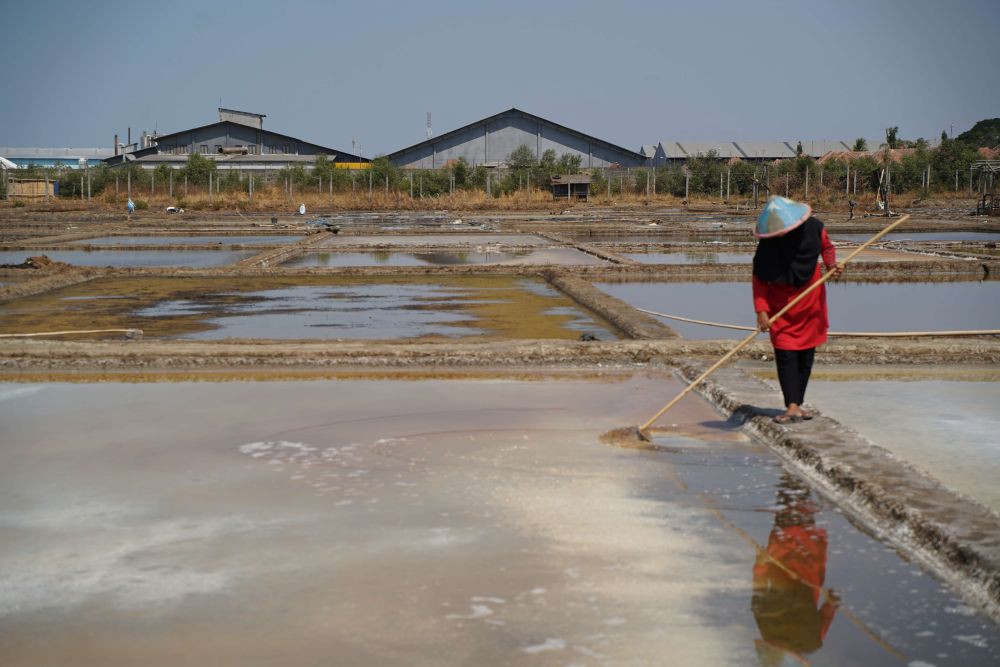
794	368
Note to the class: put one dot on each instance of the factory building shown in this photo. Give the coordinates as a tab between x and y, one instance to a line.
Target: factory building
70	158
489	142
237	140
677	152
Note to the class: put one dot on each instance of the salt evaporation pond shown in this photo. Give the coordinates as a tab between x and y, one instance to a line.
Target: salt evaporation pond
852	306
919	236
190	240
562	256
320	307
431	522
402	240
949	429
191	258
690	257
630	239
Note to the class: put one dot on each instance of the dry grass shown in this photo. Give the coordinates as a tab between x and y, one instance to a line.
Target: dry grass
267	200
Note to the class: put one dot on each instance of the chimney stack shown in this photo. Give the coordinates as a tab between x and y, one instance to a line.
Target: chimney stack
116	145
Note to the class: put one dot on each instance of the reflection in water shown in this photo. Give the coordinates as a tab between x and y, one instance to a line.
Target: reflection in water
788	581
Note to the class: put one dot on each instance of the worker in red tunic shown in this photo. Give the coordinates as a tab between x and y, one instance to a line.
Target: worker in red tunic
785	264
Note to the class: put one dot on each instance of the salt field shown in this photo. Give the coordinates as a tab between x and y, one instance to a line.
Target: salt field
424	522
401	460
235	239
562	256
950	429
150	258
496	241
700	257
317	307
294	372
853	306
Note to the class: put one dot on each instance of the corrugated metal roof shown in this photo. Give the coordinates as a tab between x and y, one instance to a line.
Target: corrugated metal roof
671	150
55	153
723	149
648	150
820	147
514	111
765	150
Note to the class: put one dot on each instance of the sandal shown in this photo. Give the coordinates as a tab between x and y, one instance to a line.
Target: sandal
787	419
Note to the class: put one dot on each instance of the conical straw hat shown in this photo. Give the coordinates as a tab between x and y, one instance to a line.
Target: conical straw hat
780	216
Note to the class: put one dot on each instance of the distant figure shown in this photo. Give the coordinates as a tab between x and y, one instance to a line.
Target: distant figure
784	265
788	580
130	206
850	207
302	209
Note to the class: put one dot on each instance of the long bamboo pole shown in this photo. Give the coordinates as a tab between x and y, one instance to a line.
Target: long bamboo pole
774	318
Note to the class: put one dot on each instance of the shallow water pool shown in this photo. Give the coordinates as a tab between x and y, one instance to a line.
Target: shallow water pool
950	429
920	236
190	240
852	306
192	258
431	522
484	240
691	257
562	256
319	307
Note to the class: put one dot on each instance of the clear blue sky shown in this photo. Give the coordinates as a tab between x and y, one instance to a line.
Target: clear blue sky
629	72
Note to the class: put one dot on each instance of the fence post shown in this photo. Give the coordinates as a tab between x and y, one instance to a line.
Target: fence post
171	183
786	185
687	185
411	185
720	185
729	178
847	181
807	182
421	186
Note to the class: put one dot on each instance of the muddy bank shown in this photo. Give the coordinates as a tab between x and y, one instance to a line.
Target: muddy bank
44	283
25	356
275	256
623	316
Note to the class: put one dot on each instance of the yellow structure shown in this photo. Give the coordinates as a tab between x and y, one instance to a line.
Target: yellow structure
25	188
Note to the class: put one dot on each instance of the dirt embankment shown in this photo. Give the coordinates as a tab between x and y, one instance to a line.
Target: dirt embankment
34	355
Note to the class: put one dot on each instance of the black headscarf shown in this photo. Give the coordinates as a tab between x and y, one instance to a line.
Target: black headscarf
790	259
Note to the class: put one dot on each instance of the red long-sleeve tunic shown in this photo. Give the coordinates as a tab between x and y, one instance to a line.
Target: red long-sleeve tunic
805	325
